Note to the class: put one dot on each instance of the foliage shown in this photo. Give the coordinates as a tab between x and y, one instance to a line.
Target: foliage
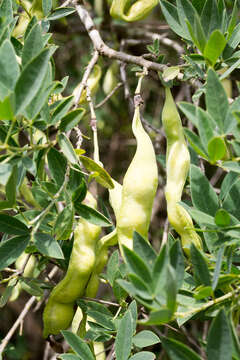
155	301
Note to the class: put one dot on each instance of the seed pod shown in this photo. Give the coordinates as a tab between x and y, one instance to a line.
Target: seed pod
58	312
139	10
177	163
139	187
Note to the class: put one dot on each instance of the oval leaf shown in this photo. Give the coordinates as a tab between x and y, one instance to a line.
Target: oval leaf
11	249
91	215
101	175
48	246
12	226
216	149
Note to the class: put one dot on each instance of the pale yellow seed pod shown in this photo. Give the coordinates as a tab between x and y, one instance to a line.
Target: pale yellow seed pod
177	164
137	11
139	188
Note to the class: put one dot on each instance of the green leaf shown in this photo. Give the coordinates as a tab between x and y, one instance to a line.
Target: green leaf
222	218
216	149
177	262
30	80
177	350
100	174
7	292
5	173
12	226
67	148
102	319
233	166
112	267
64	223
61	109
216	99
57	165
136	265
160	271
229	180
235	341
31	286
199	216
11	249
6	11
48	246
159	317
70	120
78	345
144	249
91	215
171	15
145	338
8	64
123	342
6	110
59	13
32	45
186	12
170	73
195	143
205	127
203	195
69	357
233	19
201	272
143	355
219	340
46	6
199	33
214	47
39	102
210	18
132	308
231	201
203	292
80	192
171	288
141	288
190	111
217	268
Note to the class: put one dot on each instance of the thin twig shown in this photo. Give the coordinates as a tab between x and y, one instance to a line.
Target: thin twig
105	50
101	301
108	96
85	77
24	312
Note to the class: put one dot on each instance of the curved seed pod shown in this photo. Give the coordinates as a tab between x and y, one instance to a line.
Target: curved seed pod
58	312
139	187
139	10
92	83
178	162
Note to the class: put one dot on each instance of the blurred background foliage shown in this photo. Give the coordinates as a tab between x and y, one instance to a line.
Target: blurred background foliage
116	142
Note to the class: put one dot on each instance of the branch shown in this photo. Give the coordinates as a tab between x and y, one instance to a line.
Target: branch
83	83
17	323
105	50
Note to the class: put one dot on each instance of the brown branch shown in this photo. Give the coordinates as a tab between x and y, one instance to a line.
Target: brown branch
105	50
86	74
24	312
